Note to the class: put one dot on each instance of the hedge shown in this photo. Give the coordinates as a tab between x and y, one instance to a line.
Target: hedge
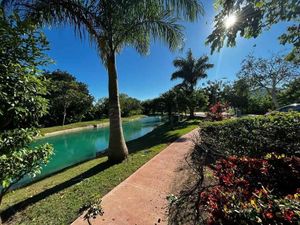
254	136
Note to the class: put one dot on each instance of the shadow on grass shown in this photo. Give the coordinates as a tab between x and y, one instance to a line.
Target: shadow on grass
159	135
9	212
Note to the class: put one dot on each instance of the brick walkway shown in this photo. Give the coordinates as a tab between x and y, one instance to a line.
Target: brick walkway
141	198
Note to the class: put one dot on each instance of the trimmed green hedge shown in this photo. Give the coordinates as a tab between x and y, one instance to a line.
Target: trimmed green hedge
254	136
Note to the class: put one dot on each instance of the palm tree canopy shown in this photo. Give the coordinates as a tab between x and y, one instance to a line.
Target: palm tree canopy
190	69
115	24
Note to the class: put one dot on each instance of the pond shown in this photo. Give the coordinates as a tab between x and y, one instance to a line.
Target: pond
75	147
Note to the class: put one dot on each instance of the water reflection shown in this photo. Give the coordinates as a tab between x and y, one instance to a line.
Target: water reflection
78	146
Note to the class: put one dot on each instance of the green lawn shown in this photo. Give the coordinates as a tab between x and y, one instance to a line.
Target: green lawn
57	199
85	124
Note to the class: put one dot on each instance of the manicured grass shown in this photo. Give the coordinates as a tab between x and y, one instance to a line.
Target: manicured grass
57	199
84	124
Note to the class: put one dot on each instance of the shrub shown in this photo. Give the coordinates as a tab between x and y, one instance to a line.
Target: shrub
216	111
254	191
253	136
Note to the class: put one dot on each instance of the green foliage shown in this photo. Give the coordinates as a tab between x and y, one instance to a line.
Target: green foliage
269	74
129	106
254	136
292	37
99	110
62	207
132	23
259	104
215	91
21	91
291	93
18	158
21	100
238	94
69	99
254	17
190	70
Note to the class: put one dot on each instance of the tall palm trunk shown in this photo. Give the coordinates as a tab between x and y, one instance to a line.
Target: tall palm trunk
117	149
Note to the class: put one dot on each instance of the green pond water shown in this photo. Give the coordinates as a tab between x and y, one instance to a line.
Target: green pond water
75	147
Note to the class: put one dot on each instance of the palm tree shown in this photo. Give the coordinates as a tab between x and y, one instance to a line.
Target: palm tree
190	70
113	25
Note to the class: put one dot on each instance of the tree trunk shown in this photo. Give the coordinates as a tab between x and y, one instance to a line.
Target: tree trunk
117	149
64	118
274	99
192	114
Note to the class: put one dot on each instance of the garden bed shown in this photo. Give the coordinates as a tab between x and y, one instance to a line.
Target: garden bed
248	172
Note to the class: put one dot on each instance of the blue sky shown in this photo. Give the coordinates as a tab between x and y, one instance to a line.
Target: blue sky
146	77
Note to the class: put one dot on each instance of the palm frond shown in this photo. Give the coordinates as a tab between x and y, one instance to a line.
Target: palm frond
186	9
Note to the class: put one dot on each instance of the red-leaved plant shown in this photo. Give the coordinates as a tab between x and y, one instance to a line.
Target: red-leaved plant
254	191
216	111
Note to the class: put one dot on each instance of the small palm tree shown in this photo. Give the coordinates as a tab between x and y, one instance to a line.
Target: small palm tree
113	25
190	70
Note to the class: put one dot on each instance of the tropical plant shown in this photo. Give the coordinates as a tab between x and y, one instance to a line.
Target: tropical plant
112	25
190	70
21	100
253	191
249	18
216	111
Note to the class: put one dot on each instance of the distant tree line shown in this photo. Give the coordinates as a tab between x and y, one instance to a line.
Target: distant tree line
69	101
261	85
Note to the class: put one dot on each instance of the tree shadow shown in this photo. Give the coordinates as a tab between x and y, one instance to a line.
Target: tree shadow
158	136
12	210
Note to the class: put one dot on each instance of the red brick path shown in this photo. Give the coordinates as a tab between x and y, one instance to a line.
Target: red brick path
141	198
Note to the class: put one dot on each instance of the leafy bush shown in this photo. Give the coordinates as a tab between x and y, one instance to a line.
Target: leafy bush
22	101
216	111
254	191
253	136
18	158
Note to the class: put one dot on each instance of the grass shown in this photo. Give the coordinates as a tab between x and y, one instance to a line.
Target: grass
84	124
57	199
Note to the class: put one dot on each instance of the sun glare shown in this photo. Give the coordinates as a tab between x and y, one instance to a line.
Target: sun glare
230	20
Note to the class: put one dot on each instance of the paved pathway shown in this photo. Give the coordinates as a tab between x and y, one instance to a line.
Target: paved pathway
141	198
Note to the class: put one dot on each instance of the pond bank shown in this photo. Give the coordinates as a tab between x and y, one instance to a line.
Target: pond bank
57	199
56	130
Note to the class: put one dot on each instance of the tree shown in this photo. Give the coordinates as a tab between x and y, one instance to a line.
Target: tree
238	94
190	70
269	74
215	92
112	25
291	93
21	100
129	106
249	18
98	111
169	102
69	100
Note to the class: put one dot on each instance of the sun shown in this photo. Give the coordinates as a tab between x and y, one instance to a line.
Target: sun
230	20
